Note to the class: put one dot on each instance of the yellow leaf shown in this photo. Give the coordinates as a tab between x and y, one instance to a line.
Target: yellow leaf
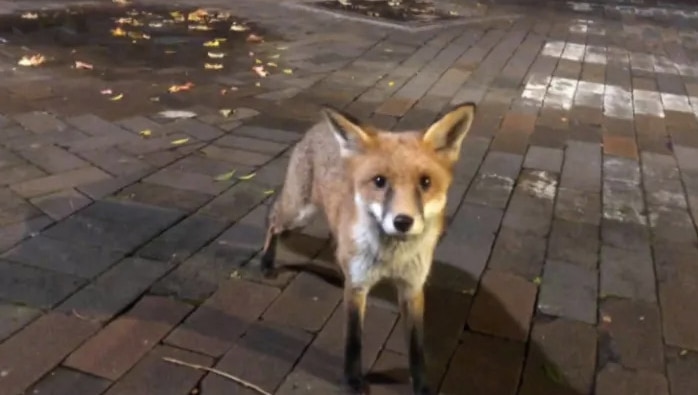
118	32
281	48
203	28
391	83
83	65
537	280
183	87
258	84
34	60
247	177
30	15
272	64
213	66
258	61
212	43
216	55
145	133
225	112
254	39
225	176
260	71
269	192
180	141
275	56
117	97
288	71
238	28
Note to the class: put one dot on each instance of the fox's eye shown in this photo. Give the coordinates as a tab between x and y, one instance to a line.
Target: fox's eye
424	182
379	181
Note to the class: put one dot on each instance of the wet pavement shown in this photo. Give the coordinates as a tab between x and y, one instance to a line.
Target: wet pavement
134	181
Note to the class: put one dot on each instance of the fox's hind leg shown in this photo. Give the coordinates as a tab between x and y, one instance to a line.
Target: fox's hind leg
291	210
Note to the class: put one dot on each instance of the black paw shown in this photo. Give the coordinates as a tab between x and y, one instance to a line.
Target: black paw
355	385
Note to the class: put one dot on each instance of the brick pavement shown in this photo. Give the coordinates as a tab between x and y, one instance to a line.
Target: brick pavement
569	264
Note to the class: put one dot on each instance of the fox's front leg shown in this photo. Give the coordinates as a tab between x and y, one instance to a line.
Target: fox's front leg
412	308
355	308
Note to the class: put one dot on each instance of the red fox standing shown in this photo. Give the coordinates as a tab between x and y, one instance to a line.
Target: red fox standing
383	195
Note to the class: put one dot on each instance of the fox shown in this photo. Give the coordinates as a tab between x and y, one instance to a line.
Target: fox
384	196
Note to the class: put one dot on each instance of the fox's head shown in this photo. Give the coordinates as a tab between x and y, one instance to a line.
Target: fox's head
401	179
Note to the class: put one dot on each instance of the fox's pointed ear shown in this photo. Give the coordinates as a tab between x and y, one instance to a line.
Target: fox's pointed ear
446	135
352	138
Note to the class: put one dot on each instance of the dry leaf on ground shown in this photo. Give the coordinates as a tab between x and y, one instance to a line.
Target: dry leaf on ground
178	88
83	65
34	60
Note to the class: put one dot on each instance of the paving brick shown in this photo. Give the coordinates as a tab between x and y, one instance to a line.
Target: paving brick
13	234
686	157
613	379
236	202
485	365
503	306
531	206
64	257
662	182
137	146
182	240
582	167
121	226
34	287
115	162
275	347
61	204
574	242
37	348
116	348
628	274
19	173
391	377
624	235
543	158
40	122
561	359
60	181
14	317
293	307
676	272
471	234
114	290
514	132
495	180
623	201
222	319
672	224
251	144
277	135
94	125
518	252
62	381
624	147
14	209
680	370
164	196
187	181
632	334
569	290
102	142
154	376
52	159
197	129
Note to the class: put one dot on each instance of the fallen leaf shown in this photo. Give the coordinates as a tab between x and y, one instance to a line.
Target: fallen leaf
272	64
225	112
453	13
179	88
282	48
180	141
117	97
83	65
553	373
213	66
683	352
537	280
170	51
247	177
34	60
203	28
288	71
255	39
155	24
606	318
260	71
118	32
257	84
225	176
236	27
275	56
30	15
106	91
212	43
391	83
344	2
172	114
145	133
198	15
216	55
122	2
268	192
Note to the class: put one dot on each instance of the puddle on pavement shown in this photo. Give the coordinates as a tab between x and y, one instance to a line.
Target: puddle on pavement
113	37
416	11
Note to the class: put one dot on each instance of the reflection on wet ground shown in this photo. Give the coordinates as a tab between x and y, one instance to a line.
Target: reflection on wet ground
419	11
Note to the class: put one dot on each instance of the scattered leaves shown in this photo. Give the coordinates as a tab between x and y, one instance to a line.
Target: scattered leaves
32	61
146	133
225	176
83	65
179	88
254	39
216	55
117	97
225	112
213	66
30	15
247	177
180	141
260	71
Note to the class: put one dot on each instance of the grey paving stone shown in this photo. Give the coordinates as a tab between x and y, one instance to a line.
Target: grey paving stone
519	252
569	290
574	242
35	287
63	381
578	206
626	235
628	274
672	224
582	167
495	180
115	289
543	158
73	258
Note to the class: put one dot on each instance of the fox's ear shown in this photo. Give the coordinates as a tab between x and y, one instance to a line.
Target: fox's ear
446	135
351	137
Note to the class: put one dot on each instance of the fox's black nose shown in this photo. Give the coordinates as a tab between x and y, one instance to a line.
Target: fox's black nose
403	222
